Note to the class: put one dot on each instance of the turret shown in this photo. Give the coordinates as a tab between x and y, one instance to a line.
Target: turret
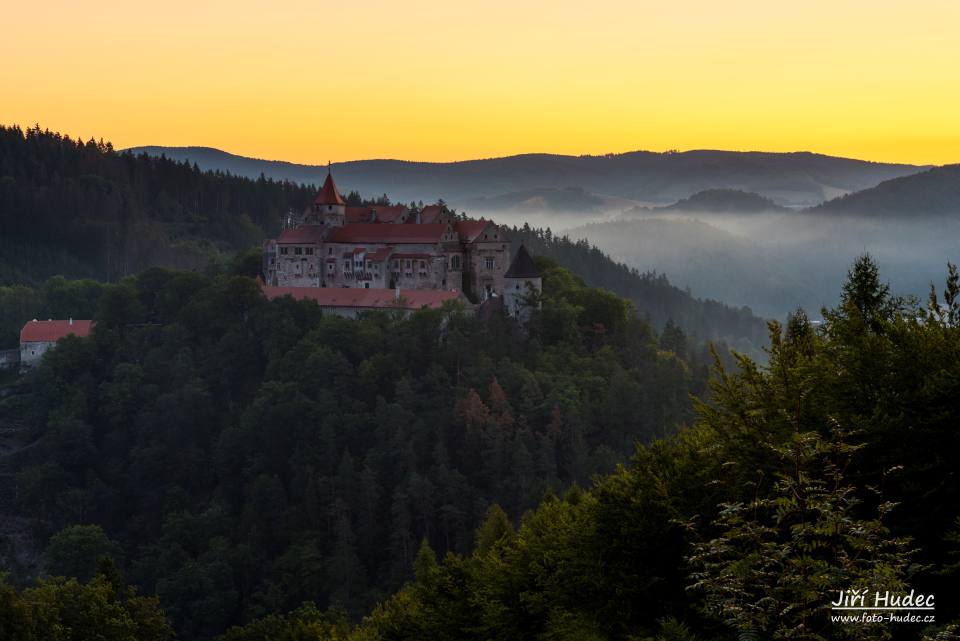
329	207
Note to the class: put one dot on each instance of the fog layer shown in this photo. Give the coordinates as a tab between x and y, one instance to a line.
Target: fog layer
771	262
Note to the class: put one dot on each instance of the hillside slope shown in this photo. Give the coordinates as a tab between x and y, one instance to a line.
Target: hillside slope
932	192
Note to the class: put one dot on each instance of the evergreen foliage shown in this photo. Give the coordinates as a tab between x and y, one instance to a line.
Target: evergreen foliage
249	455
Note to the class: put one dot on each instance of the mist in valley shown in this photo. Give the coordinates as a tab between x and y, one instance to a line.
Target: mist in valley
772	262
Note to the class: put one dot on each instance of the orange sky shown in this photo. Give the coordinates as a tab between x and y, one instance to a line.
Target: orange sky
311	81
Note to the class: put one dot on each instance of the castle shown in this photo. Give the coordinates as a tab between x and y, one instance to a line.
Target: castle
333	245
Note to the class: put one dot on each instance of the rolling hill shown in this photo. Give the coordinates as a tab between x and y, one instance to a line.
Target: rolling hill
725	201
799	179
934	192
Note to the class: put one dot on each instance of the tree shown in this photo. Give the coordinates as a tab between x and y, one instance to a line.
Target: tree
780	559
76	550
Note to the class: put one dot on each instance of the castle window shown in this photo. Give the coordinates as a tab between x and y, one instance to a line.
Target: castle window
347	266
329	251
283	250
298	251
407	264
455	262
488	262
423	265
331	267
369	265
309	251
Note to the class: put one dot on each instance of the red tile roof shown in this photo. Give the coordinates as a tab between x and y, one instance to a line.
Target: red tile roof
50	331
365	298
328	193
417	256
390	214
384	214
359	214
394	234
469	230
380	255
430	213
304	234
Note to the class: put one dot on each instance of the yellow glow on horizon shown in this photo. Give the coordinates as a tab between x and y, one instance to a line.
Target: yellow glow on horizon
446	80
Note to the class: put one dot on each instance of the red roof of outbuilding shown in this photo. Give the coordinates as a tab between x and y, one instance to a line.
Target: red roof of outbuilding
50	331
365	298
304	234
375	233
328	193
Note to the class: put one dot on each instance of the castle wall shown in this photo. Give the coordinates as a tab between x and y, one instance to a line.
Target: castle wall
486	263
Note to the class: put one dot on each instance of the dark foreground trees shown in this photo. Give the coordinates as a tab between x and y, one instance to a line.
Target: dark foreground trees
824	470
243	456
829	468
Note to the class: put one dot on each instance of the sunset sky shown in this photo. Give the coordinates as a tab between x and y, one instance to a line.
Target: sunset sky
311	81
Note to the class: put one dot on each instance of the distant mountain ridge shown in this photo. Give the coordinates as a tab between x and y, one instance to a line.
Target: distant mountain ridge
797	179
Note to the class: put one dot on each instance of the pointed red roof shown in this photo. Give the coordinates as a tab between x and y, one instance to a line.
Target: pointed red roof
328	194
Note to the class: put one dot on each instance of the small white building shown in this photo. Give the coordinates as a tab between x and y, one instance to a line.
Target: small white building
38	336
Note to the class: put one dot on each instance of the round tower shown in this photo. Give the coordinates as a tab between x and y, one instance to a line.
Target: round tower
522	286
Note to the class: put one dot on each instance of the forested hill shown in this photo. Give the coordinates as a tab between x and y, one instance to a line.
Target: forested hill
935	192
724	201
81	209
181	449
238	456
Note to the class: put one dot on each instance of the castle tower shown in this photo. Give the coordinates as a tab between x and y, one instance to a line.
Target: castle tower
329	207
522	286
